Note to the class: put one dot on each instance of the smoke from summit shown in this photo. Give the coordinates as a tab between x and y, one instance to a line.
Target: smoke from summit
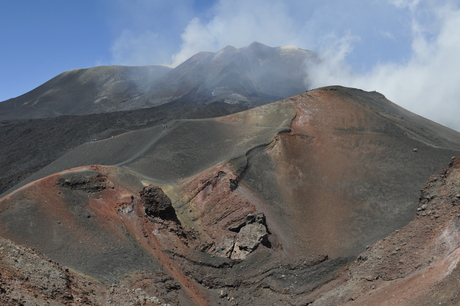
405	49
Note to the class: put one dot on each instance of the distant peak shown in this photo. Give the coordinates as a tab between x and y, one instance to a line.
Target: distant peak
226	50
256	44
229	48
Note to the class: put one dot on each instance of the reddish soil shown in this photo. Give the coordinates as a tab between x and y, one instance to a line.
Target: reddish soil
118	217
327	213
416	265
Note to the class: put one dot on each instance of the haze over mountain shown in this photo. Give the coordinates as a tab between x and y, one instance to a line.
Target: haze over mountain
253	75
405	49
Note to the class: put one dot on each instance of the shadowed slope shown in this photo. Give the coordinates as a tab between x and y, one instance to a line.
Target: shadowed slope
179	148
29	145
99	89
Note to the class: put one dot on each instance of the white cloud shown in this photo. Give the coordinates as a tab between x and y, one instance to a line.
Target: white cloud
238	23
406	49
308	24
427	83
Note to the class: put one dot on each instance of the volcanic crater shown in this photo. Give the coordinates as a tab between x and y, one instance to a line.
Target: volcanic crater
311	200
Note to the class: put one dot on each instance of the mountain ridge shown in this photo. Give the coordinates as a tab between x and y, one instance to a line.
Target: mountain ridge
290	191
240	76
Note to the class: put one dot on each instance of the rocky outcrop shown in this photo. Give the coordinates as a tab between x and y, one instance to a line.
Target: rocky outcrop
157	204
250	234
229	225
253	233
85	180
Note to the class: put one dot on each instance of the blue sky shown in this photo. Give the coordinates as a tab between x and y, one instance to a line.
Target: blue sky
405	49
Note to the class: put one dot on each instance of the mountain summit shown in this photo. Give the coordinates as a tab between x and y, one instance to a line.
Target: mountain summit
252	75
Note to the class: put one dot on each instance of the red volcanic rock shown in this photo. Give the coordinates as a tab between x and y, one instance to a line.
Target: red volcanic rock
228	225
87	220
311	200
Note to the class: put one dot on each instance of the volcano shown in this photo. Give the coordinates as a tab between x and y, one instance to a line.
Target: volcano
313	199
251	76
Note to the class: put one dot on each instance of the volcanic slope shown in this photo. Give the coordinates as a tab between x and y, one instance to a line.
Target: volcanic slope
253	75
95	103
84	91
416	265
29	145
269	204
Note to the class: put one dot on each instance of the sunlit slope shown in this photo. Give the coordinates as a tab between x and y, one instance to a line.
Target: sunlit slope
349	172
